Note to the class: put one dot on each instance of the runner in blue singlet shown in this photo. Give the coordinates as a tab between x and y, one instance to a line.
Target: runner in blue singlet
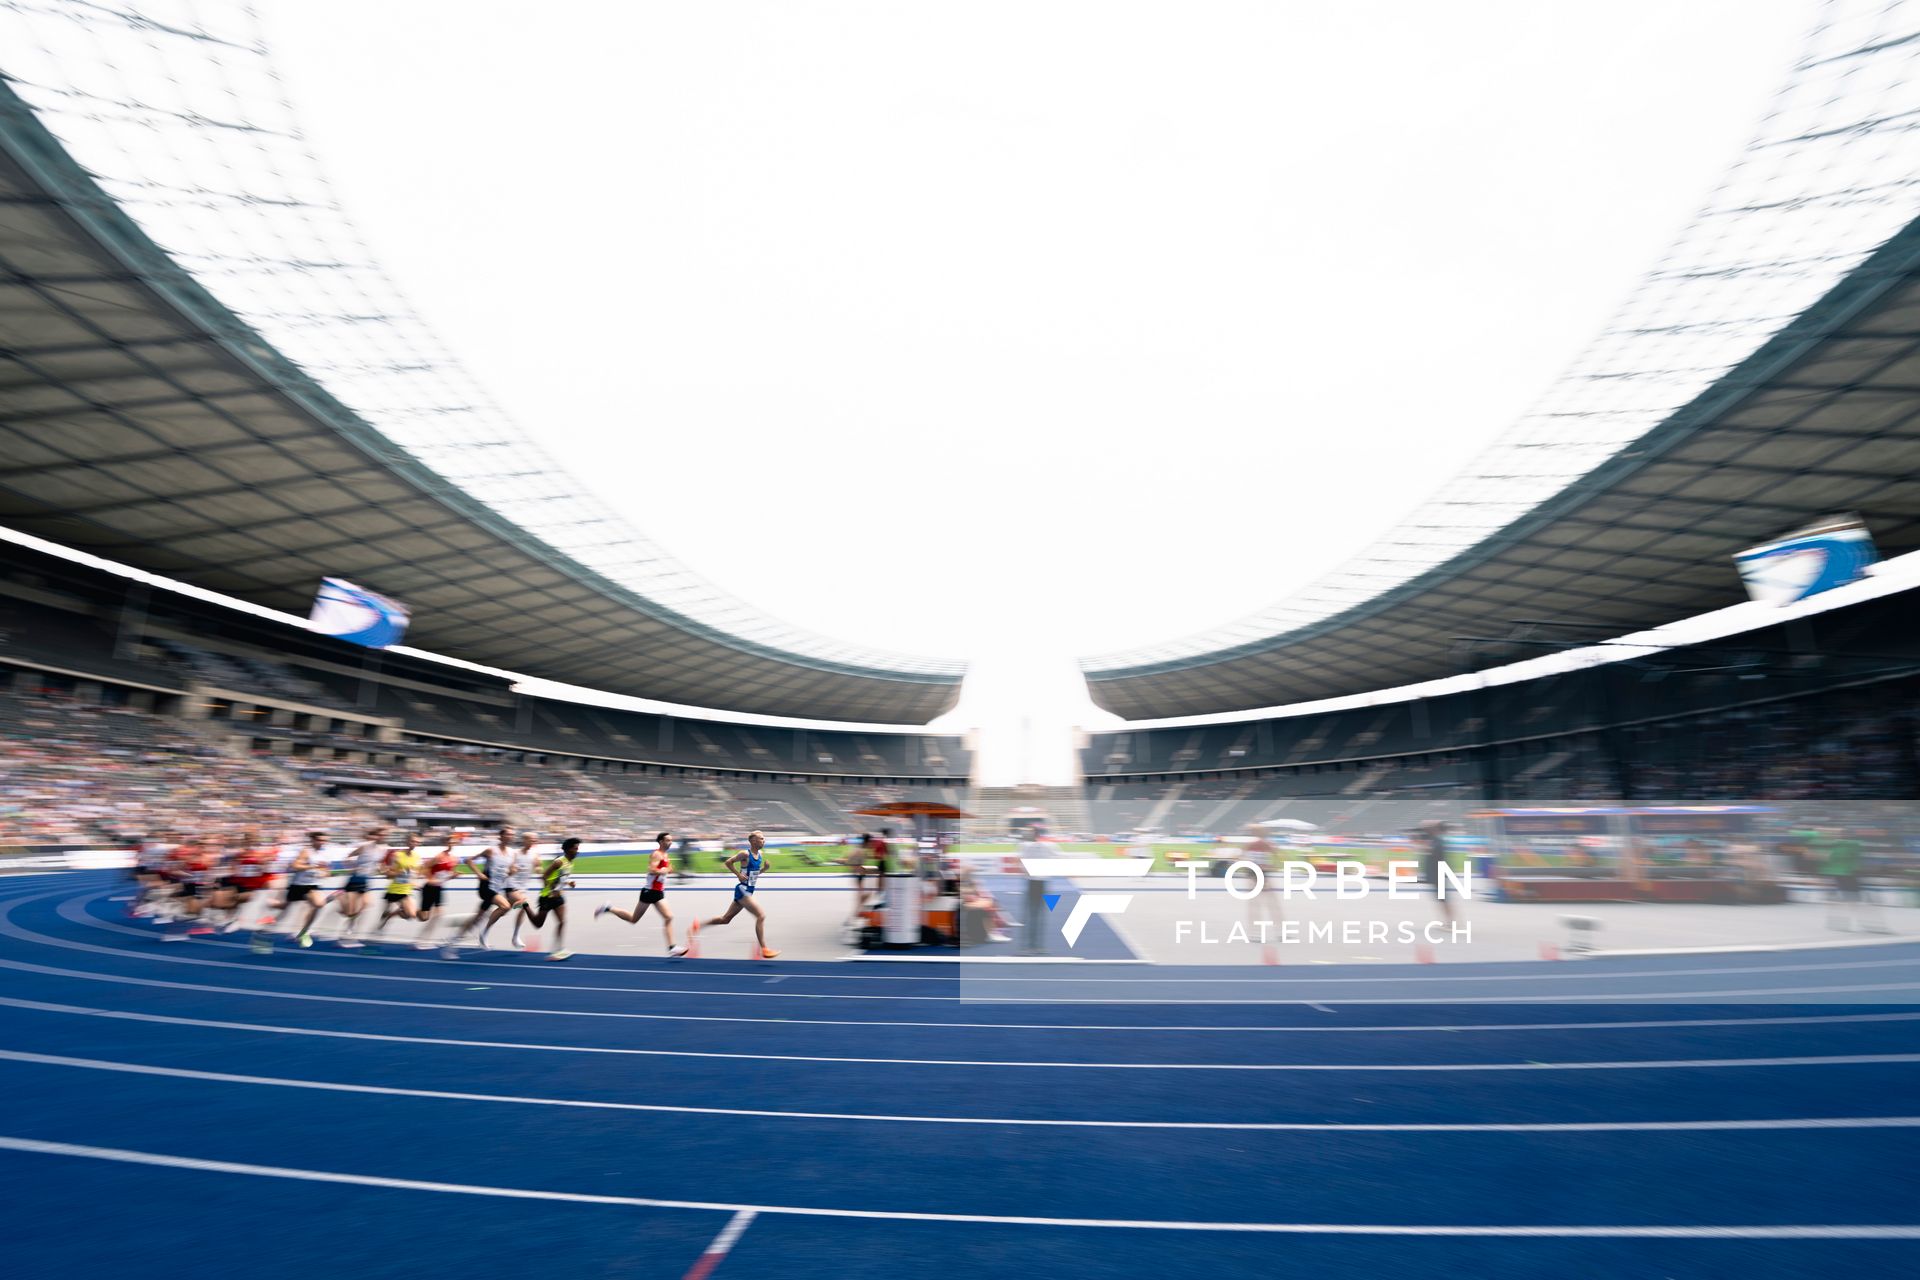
747	867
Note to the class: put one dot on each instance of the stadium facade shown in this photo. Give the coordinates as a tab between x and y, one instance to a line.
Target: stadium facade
173	408
249	414
1762	375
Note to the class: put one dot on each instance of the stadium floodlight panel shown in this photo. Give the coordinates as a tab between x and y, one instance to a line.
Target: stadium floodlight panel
1828	178
175	108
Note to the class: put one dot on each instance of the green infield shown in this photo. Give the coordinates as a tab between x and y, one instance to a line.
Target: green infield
1167	853
817	858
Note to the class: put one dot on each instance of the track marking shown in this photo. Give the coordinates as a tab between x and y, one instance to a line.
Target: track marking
86	975
1279	1127
73	910
455	1042
12	899
1728	995
721	1246
1025	1122
1822	1231
1087	971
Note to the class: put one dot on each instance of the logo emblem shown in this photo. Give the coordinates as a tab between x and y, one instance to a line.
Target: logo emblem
1088	905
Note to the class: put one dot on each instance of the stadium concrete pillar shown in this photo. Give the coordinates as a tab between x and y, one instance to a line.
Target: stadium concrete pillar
132	621
1483	751
368	695
1612	737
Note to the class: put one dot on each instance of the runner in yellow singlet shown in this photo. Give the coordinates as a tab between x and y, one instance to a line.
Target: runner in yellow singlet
402	870
553	900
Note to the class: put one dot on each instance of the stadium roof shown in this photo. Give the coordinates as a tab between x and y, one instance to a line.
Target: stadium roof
143	421
312	427
1767	373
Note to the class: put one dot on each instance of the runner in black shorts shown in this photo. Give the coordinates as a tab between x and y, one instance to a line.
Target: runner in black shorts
492	870
654	894
306	878
401	868
363	864
553	901
149	872
435	874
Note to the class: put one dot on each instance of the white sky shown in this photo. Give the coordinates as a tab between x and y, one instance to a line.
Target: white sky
1102	321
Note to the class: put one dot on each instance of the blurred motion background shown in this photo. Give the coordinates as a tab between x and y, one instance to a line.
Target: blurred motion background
1683	574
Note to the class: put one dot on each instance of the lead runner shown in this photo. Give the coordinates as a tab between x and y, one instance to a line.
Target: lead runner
747	866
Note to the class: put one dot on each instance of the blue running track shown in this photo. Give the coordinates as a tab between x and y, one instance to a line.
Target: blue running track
200	1110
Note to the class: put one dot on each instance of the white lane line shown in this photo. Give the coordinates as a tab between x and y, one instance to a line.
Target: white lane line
722	1245
1809	1231
73	910
1720	994
1587	1126
1028	1122
456	1042
112	979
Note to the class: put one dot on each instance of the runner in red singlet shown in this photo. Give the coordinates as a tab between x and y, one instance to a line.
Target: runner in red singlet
654	894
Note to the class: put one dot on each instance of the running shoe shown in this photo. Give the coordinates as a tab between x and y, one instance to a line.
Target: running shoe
768	953
601	910
483	944
423	946
305	939
561	955
262	944
514	942
350	944
674	953
449	951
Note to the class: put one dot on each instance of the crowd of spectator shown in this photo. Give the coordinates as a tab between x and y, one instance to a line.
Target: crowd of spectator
1855	745
77	772
240	674
74	772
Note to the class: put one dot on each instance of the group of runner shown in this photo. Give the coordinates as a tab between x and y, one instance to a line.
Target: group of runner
204	884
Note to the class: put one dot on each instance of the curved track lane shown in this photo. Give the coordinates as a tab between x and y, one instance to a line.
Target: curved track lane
1713	1115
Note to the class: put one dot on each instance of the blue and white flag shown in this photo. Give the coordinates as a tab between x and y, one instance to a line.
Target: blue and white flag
1805	563
353	613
